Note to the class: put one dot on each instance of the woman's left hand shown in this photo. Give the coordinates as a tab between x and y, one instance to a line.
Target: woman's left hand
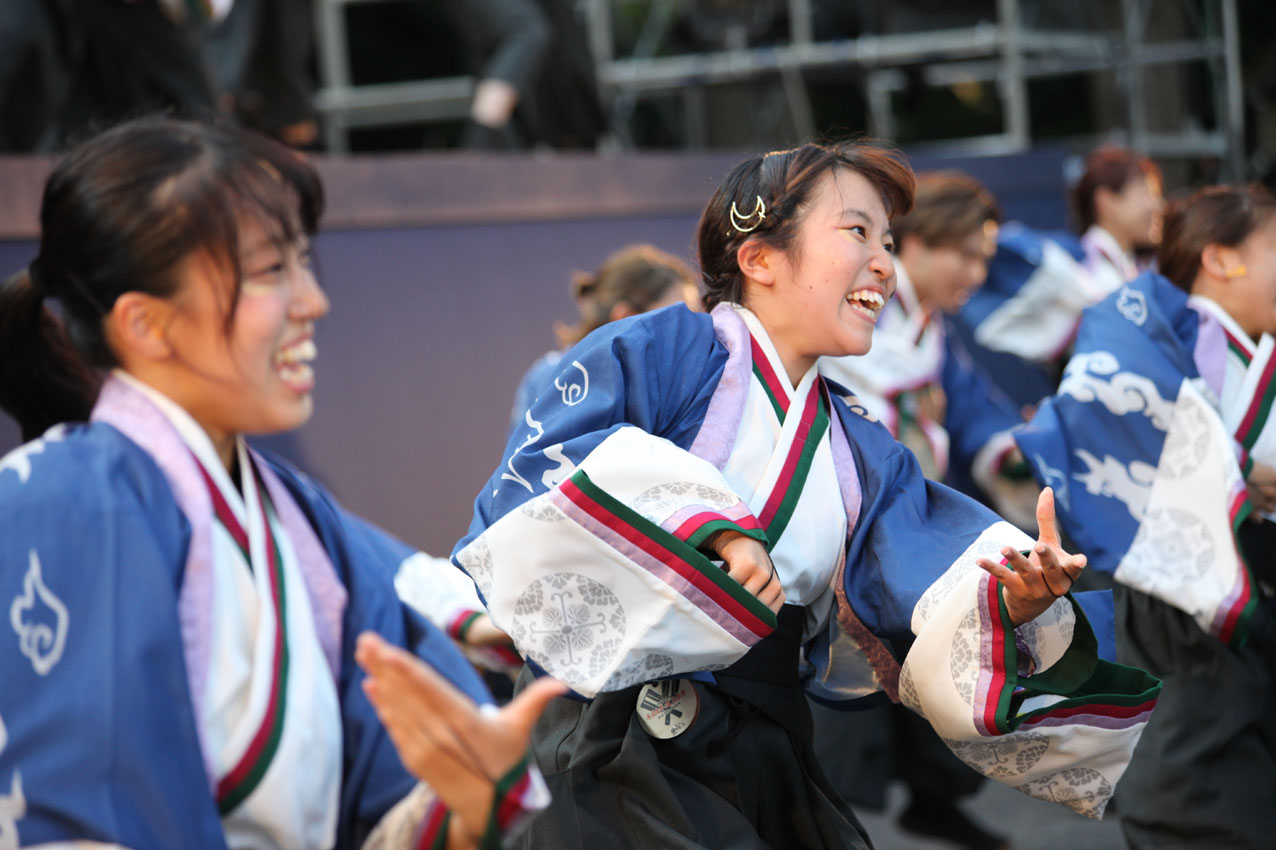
1030	585
457	748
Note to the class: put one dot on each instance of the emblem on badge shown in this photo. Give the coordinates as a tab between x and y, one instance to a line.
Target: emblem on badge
667	708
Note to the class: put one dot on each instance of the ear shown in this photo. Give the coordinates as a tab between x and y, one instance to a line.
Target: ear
1220	261
136	326
758	261
1103	199
622	310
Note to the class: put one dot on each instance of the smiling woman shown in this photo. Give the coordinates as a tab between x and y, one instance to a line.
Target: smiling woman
713	529
153	547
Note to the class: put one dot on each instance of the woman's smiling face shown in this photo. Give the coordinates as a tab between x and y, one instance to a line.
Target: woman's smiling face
255	374
834	279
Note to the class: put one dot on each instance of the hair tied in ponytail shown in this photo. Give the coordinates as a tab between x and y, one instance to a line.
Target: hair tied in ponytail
87	295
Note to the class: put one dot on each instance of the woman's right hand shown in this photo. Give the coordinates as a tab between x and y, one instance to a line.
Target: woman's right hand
457	748
746	560
1262	490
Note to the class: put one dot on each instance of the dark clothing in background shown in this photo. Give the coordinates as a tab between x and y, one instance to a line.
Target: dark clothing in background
262	53
1203	776
70	67
539	48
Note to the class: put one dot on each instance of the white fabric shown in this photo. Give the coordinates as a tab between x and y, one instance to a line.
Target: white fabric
437	589
1196	468
1038	322
809	551
296	803
946	678
1109	265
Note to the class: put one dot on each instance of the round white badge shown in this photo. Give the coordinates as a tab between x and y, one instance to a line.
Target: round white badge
667	708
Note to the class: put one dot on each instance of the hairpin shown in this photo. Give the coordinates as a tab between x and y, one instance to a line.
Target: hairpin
737	220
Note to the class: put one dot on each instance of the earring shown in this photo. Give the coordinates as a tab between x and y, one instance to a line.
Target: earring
1239	271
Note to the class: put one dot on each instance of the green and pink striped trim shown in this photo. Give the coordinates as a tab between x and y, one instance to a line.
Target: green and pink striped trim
665	556
1260	407
1107	695
246	775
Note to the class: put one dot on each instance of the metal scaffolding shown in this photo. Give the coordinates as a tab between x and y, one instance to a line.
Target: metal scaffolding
1006	52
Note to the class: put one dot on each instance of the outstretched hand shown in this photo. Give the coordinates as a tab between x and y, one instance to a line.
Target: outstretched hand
1030	585
459	749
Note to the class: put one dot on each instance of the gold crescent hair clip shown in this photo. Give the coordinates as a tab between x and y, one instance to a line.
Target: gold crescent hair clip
737	220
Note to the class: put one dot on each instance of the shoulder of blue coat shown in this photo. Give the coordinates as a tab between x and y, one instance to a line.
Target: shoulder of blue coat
78	467
673	327
862	428
1151	303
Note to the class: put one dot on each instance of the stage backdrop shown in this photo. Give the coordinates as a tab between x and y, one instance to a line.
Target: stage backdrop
446	274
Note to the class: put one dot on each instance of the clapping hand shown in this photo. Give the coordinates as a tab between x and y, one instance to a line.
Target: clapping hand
442	737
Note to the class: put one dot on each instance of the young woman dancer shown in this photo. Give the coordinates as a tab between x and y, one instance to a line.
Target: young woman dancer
1162	439
672	440
184	611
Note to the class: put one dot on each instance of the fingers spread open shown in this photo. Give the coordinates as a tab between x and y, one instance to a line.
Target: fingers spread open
999	571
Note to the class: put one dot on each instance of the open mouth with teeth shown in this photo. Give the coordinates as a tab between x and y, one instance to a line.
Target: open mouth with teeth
292	364
868	302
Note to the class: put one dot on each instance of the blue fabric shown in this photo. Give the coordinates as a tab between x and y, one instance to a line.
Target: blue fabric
1159	349
657	371
1019	253
910	530
105	741
975	409
538	378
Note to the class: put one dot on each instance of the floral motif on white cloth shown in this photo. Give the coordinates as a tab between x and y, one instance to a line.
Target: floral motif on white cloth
986	546
1184	550
1081	789
654	666
477	560
1188	442
1003	757
570	624
542	510
963	660
659	502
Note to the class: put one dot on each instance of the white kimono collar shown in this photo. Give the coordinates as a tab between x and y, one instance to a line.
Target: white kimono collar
200	444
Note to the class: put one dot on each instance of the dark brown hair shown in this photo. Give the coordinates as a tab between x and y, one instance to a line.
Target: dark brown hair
948	206
637	275
1107	168
784	180
1218	215
119	214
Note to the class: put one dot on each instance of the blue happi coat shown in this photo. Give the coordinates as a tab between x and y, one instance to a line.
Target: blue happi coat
1147	479
98	737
